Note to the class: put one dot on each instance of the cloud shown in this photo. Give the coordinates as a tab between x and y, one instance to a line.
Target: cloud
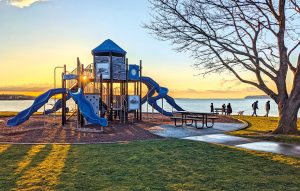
230	81
26	88
22	3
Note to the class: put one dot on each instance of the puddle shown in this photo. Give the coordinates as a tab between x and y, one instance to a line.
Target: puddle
220	138
280	148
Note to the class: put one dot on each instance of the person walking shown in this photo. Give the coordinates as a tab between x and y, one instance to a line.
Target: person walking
229	109
211	107
224	109
255	107
268	107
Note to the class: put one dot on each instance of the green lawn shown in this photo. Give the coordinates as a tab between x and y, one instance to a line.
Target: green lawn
262	127
144	165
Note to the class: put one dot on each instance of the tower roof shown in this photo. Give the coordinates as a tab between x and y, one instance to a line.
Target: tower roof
108	46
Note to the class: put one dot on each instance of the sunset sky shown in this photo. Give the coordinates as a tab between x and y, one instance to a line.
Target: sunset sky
37	35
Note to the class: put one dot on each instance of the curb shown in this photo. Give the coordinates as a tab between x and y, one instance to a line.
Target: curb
82	143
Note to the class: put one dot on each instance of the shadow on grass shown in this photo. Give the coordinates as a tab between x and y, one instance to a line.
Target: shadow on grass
145	165
173	165
29	167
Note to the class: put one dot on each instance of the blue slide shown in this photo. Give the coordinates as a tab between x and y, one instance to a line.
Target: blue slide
86	109
57	105
162	93
37	104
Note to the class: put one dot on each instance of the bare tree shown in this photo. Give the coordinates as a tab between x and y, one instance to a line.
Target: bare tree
259	37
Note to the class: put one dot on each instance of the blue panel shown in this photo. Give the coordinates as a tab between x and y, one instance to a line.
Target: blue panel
134	72
70	76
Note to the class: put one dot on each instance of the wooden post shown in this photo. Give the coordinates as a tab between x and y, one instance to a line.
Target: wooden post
63	115
94	74
140	93
101	95
135	93
78	85
111	93
126	92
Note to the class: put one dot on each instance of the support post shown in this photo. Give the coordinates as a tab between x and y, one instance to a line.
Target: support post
111	93
162	109
101	95
126	93
135	93
78	85
82	87
63	115
140	93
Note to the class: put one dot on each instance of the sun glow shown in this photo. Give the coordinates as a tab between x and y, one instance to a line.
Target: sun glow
28	158
3	148
47	172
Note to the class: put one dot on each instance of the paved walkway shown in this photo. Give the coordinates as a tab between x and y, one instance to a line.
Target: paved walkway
216	135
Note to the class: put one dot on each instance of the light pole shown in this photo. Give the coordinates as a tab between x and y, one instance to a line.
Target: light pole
57	67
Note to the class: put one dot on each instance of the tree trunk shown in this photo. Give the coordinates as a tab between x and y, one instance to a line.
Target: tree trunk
288	107
288	118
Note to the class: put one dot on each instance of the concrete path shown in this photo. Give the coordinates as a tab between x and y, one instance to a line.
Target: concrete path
216	135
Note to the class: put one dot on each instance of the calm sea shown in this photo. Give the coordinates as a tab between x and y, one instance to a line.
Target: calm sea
187	104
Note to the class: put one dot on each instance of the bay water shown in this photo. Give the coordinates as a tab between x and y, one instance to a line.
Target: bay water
201	105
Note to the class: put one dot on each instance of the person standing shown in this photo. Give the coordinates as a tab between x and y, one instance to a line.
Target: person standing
211	107
255	107
224	109
229	109
268	107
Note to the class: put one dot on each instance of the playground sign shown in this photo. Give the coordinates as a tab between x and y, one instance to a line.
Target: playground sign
102	66
133	73
119	68
133	102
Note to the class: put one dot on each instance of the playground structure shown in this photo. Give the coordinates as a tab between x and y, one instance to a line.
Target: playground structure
109	89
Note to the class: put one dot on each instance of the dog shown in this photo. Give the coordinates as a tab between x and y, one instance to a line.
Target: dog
240	112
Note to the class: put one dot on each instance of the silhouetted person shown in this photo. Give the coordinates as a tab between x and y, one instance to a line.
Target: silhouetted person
255	107
224	109
229	109
211	107
268	107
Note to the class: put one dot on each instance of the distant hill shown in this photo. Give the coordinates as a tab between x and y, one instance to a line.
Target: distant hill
258	97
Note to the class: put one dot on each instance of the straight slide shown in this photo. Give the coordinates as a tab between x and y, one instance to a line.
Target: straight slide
87	110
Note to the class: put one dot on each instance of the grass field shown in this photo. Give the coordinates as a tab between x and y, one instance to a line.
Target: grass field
148	165
262	127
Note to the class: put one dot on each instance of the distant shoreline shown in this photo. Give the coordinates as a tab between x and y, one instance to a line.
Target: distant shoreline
258	97
7	97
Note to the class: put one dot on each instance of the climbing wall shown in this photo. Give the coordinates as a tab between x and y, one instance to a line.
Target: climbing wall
94	100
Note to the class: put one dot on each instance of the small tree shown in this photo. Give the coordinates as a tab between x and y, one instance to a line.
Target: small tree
259	37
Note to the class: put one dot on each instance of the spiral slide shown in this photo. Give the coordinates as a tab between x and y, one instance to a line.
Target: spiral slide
162	93
84	105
